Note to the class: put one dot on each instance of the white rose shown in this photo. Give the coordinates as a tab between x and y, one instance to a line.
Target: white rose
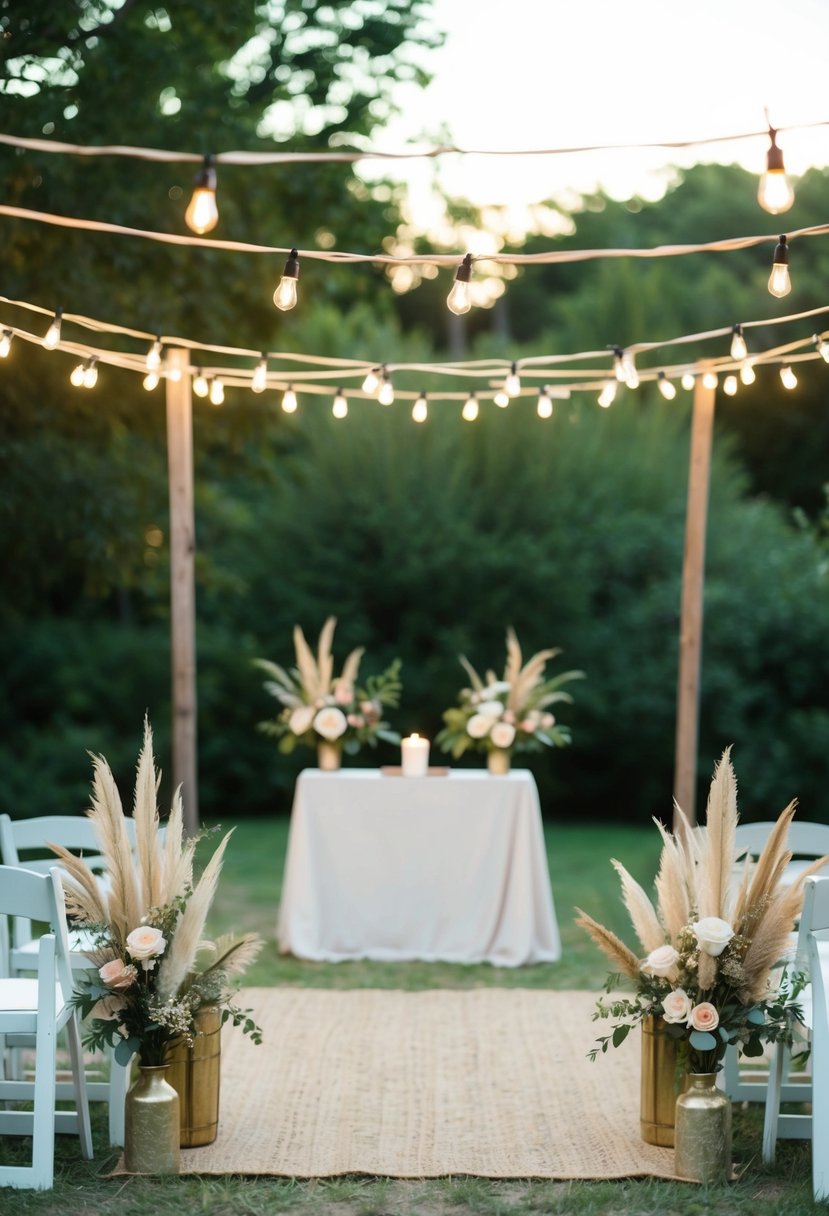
330	723
301	719
677	1006
661	961
712	934
491	709
478	726
502	734
145	942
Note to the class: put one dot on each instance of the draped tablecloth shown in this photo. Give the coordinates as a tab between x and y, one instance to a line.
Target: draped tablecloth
449	868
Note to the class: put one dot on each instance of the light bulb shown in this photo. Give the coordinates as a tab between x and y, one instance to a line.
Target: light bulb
150	381
200	386
779	282
52	336
775	193
747	373
502	398
217	391
420	410
629	368
170	373
787	377
709	380
739	350
687	381
76	375
666	387
90	375
340	407
202	214
619	370
470	408
289	402
458	300
153	361
386	394
285	296
371	382
260	376
608	394
544	407
512	384
819	341
5	343
729	385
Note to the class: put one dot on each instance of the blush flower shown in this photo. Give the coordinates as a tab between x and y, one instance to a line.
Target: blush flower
478	726
301	719
502	734
117	974
704	1017
676	1006
330	722
145	943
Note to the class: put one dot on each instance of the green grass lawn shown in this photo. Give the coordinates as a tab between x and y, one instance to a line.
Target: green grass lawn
248	897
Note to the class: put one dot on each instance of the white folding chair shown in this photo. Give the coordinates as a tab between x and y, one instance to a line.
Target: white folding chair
39	1009
818	940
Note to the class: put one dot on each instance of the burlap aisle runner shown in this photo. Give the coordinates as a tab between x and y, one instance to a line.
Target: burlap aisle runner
489	1082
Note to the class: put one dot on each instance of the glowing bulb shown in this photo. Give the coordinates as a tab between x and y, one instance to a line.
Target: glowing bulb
260	376
202	214
420	410
171	373
217	391
90	373
687	381
729	385
5	343
787	377
458	300
666	387
629	367
709	380
739	350
502	398
386	394
775	193
779	282
512	384
285	296
289	402
340	407
52	336
153	361
608	394
545	405
470	408
371	382
820	342
200	386
76	375
619	365
150	381
747	373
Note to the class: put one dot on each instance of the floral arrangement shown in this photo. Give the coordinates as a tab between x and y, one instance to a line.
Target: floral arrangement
512	713
712	945
151	970
319	706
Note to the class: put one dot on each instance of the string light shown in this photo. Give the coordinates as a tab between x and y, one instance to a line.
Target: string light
170	373
371	382
779	282
200	386
153	360
470	408
90	375
5	343
709	380
150	381
729	385
608	394
739	349
458	300
747	373
289	401
787	377
202	214
819	341
420	409
52	336
386	394
775	193
217	391
666	387
76	376
544	408
285	295
502	398
340	407
624	367
687	381
512	384
260	376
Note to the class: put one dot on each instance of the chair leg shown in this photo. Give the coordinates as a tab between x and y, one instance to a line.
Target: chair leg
73	1038
779	1065
119	1079
43	1114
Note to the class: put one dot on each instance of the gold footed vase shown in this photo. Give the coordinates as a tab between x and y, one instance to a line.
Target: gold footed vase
329	756
658	1084
151	1132
498	761
193	1073
702	1150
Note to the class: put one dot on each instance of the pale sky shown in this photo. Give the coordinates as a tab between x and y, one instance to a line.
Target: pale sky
542	73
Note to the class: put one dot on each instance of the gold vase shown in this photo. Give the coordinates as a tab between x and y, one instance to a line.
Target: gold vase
498	761
702	1149
657	1086
151	1131
193	1073
329	755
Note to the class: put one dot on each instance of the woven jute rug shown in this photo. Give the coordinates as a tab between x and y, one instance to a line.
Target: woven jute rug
489	1082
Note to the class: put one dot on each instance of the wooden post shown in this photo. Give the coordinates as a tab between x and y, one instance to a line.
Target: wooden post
182	584
690	627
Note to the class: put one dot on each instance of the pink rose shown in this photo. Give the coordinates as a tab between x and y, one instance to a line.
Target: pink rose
704	1017
676	1006
109	1009
117	974
343	693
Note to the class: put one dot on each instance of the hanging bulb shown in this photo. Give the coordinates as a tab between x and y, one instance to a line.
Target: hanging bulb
747	373
285	295
200	386
5	342
260	376
512	384
470	408
340	407
458	300
420	409
608	394
90	374
217	391
819	341
153	360
779	282
289	402
775	193
52	336
150	381
170	373
709	380
739	350
502	398
730	385
371	382
76	375
544	407
202	214
629	367
619	369
687	381
787	377
386	393
666	387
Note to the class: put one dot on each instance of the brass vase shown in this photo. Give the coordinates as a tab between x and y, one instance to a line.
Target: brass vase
702	1149
658	1084
329	755
498	761
193	1071
151	1143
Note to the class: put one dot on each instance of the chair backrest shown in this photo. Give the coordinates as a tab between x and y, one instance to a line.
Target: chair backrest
27	895
806	839
25	842
814	915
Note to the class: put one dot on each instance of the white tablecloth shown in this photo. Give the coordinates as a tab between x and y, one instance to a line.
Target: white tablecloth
448	868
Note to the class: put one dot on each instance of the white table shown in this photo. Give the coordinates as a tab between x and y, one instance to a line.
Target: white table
448	868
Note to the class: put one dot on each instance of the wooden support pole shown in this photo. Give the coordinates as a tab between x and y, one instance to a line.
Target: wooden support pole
182	584
690	627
